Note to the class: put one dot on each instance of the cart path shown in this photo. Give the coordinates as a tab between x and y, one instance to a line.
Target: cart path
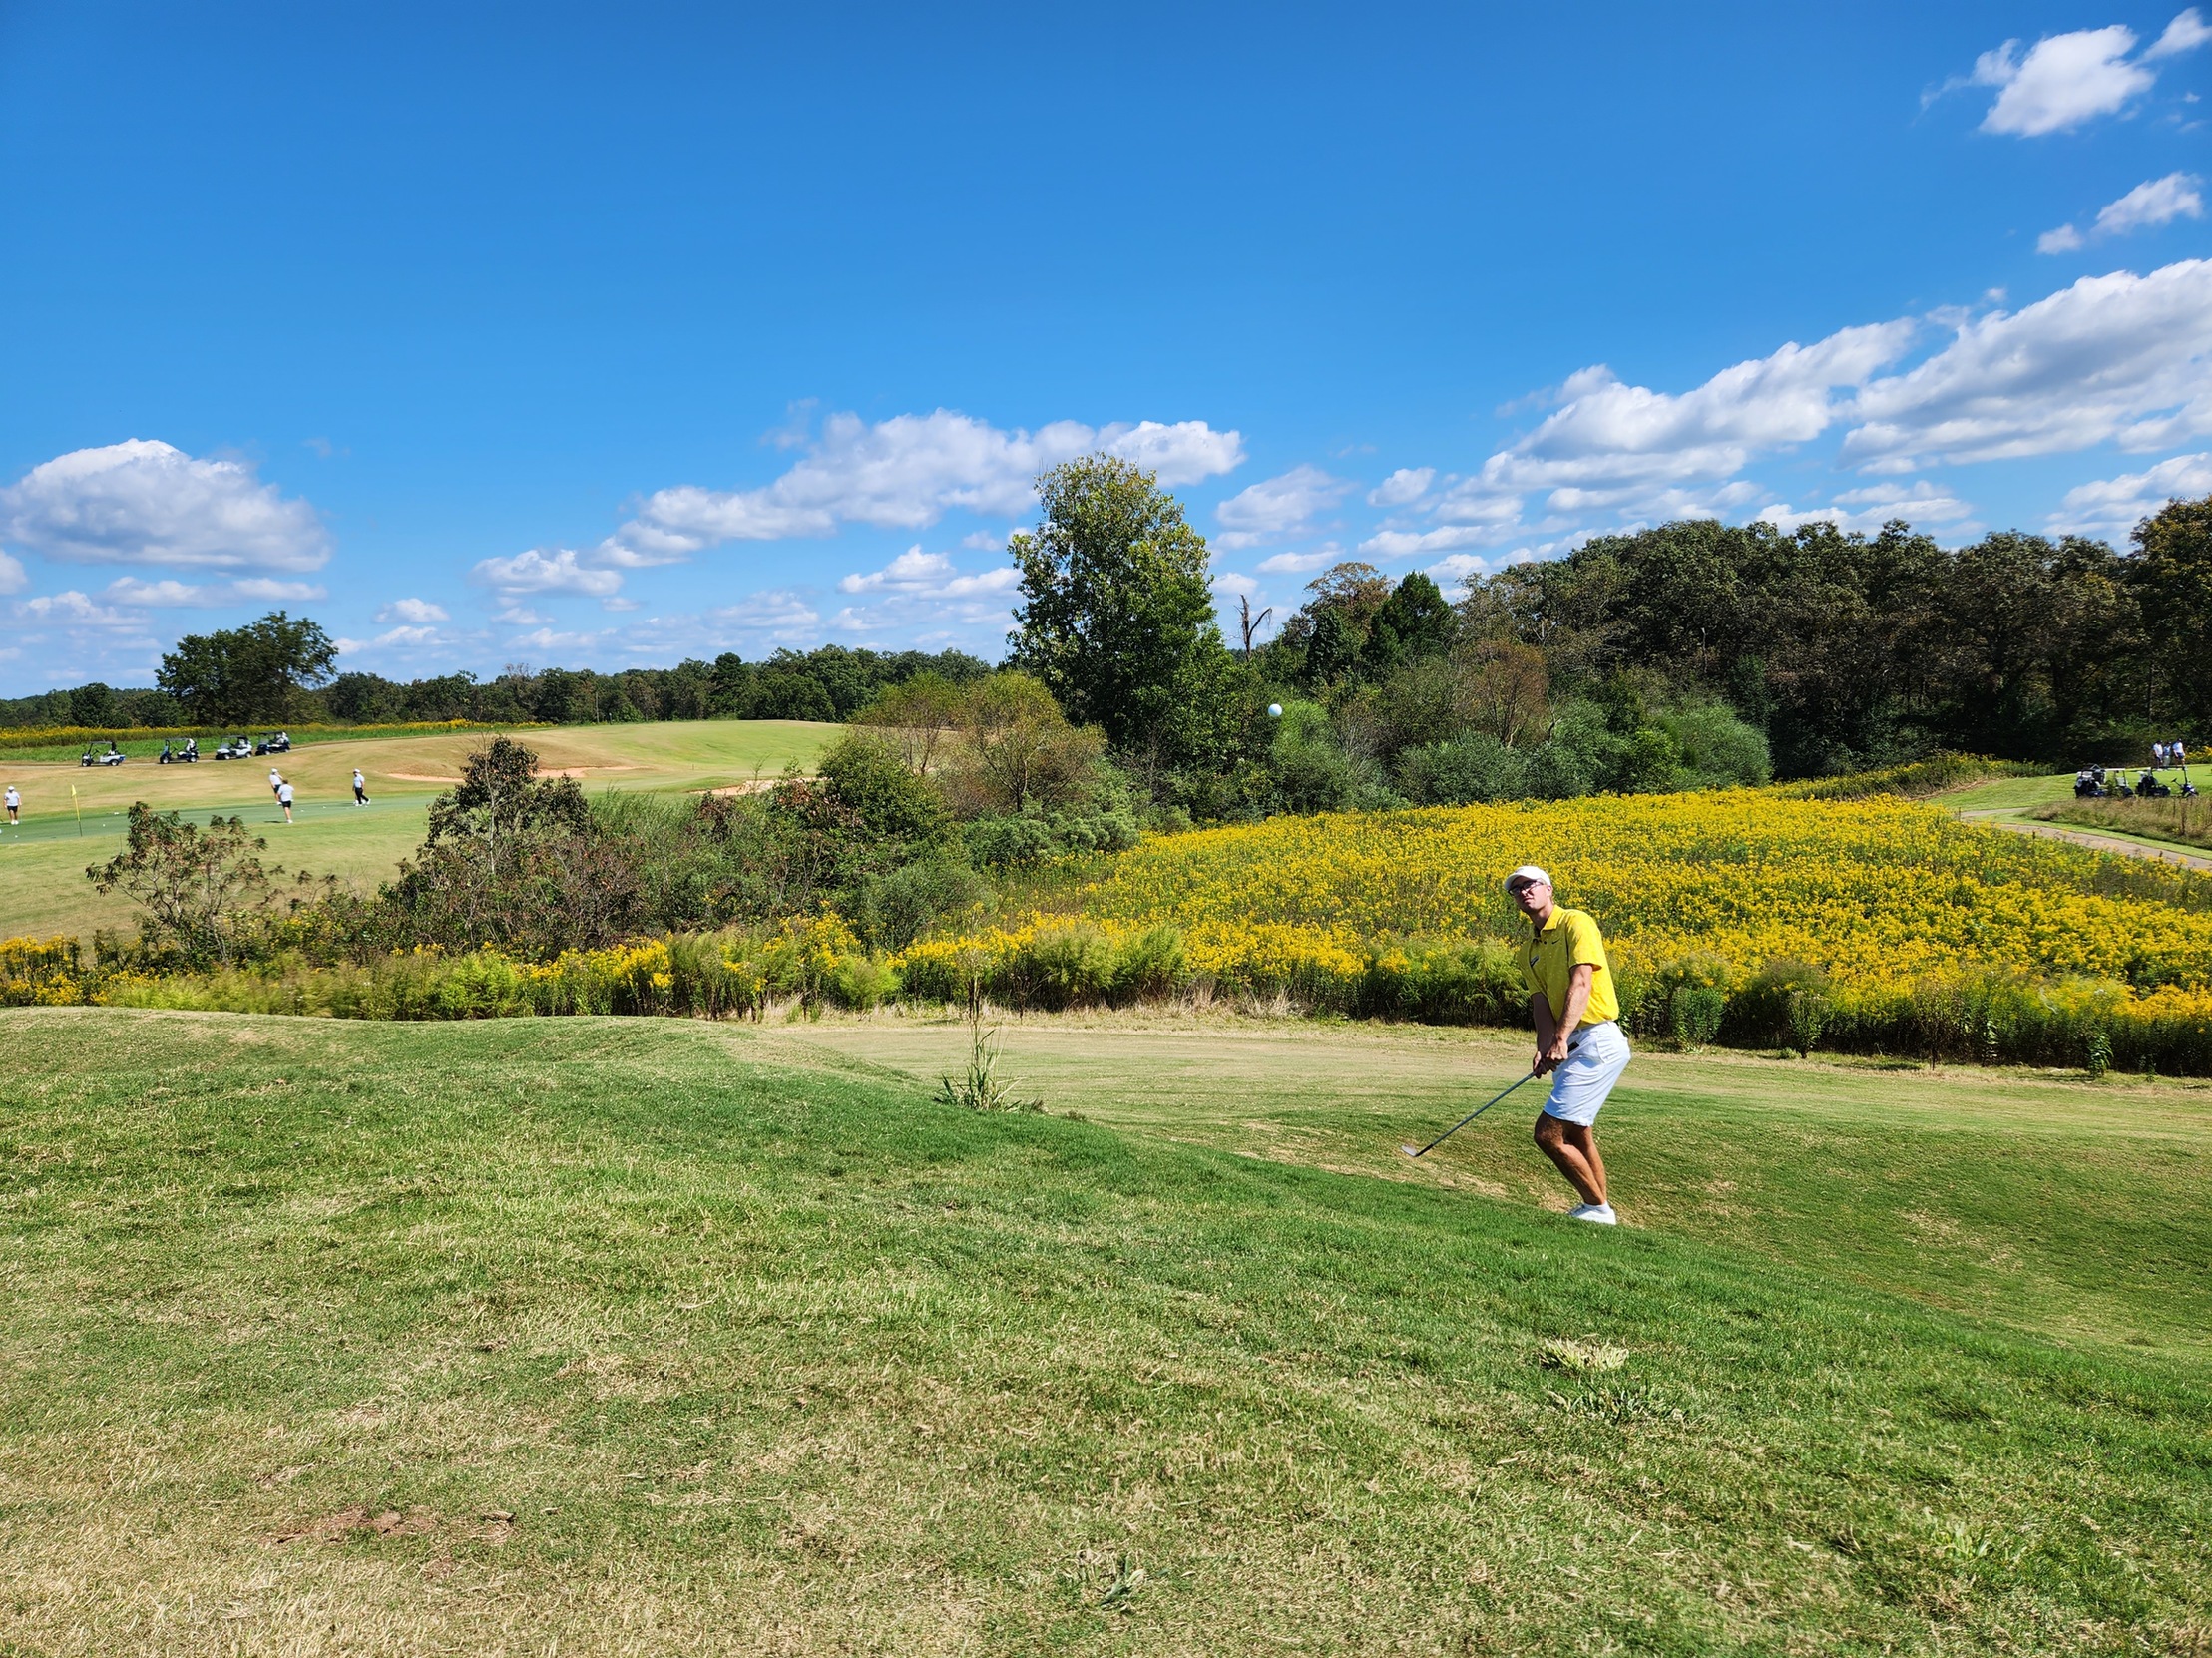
1996	819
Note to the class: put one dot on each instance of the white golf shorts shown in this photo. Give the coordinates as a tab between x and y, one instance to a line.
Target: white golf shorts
1597	1054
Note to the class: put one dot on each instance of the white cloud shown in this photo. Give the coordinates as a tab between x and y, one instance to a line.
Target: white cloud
74	610
905	473
2065	81
1403	487
1405	544
143	503
169	591
13	577
1609	434
2119	358
1278	505
778	611
412	610
2149	204
1297	564
551	641
2185	32
2153	203
268	591
1457	566
2111	506
931	575
921	587
519	615
538	572
1234	584
1866	510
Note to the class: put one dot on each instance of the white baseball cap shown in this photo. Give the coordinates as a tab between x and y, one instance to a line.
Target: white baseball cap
1527	872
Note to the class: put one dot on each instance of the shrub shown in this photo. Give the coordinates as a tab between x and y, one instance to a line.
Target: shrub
1061	967
1445	982
1463	771
1694	1013
1717	749
1148	965
1783	1004
892	908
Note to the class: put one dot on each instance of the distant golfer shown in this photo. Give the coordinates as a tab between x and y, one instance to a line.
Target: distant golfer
285	799
276	782
1578	1039
15	805
360	788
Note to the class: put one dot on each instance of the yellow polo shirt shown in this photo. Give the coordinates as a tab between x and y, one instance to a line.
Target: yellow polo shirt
1548	960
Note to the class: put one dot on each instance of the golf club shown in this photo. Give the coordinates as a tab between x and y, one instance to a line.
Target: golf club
1464	1121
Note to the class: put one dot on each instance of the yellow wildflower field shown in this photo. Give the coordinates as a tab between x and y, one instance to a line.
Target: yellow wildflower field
1899	905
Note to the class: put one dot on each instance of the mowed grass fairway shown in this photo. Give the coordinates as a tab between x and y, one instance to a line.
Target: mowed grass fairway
658	1337
43	889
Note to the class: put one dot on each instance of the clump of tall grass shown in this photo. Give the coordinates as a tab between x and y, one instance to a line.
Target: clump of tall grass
2168	818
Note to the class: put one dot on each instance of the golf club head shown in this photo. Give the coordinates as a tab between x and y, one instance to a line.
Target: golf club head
1411	1151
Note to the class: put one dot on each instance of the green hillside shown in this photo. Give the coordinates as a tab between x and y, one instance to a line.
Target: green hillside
606	1336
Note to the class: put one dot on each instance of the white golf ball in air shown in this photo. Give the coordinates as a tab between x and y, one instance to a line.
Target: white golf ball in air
1274	711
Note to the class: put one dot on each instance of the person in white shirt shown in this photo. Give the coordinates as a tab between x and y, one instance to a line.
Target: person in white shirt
276	782
285	799
360	788
15	805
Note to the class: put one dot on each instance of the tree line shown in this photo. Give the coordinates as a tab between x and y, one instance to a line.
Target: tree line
277	671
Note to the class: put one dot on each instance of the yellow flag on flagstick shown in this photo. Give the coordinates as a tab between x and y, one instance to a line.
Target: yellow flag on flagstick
80	811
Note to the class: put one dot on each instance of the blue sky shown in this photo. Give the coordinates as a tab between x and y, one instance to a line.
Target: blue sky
598	336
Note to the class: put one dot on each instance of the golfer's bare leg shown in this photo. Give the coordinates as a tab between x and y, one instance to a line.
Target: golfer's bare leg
1574	1150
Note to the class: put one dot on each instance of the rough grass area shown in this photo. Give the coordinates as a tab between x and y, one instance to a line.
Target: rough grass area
2174	820
591	1336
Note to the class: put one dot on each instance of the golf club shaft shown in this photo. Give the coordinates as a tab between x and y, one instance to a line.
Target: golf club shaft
1472	1115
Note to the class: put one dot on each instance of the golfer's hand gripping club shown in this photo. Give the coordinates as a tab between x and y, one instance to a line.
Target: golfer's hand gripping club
1469	1117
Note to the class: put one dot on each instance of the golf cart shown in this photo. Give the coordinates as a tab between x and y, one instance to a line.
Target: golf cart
277	743
2088	784
113	758
234	748
184	756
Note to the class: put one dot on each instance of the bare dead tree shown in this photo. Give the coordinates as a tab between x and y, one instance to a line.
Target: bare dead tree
1249	622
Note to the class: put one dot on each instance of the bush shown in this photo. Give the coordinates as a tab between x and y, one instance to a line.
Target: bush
1694	1013
1149	966
1557	771
1311	771
1445	982
1018	839
1060	968
1717	749
892	908
1463	771
1783	1004
866	774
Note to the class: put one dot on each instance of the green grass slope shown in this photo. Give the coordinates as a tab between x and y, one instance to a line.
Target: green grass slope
2042	1201
595	1336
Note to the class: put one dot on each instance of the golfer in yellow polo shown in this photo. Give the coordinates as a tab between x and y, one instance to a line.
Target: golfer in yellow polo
1579	1043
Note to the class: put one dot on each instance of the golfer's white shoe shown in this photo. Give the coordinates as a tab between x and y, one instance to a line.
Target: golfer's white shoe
1600	1214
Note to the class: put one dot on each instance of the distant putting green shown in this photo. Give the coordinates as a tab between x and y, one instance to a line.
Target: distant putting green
43	889
591	1336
